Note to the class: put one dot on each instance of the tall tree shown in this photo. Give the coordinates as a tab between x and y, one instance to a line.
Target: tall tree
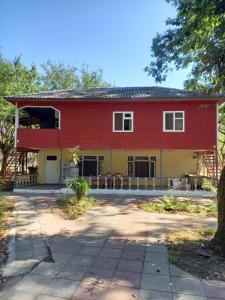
58	76
195	37
14	78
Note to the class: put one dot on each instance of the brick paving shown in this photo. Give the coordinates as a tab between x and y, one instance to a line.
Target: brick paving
114	252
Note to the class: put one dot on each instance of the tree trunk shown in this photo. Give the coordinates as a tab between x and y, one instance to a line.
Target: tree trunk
218	242
5	156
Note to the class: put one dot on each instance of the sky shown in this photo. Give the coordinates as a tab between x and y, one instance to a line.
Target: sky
114	35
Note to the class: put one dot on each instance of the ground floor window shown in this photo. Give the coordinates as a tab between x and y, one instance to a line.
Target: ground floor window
91	165
141	166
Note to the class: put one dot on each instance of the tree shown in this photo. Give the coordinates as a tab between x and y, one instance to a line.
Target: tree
195	37
14	78
58	76
218	241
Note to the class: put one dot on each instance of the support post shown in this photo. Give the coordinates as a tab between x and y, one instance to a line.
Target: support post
15	145
111	161
161	168
60	170
15	168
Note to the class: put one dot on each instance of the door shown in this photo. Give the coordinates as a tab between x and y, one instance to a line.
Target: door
51	169
90	168
141	169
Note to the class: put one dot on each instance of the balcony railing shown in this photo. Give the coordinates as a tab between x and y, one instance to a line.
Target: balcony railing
140	183
26	180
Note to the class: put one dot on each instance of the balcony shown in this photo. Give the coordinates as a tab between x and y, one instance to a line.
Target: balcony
37	138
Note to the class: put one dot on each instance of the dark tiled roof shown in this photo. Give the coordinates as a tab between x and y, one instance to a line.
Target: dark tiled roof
114	93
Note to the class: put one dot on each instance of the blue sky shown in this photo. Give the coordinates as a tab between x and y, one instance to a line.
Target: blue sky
114	35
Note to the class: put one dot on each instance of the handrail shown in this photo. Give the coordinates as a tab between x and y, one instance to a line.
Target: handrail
145	183
26	180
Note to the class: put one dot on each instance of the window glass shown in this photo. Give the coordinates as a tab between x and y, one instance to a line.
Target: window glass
141	157
51	157
130	169
178	115
178	124
118	121
127	125
169	121
152	169
127	115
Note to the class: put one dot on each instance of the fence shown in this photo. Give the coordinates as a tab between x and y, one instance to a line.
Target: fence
26	180
140	183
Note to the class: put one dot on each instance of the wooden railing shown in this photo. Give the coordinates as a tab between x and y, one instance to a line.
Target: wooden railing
140	183
26	180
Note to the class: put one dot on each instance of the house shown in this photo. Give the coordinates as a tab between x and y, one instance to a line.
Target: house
133	132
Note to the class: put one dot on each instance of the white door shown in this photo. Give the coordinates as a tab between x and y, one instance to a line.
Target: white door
51	169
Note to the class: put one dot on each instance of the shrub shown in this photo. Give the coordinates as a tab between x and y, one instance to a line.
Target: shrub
6	185
174	204
73	208
79	186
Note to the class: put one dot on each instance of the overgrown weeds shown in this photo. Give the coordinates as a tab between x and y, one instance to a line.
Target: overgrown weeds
171	204
74	208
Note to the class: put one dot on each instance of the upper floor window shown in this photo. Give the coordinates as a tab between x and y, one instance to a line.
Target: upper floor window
173	121
123	121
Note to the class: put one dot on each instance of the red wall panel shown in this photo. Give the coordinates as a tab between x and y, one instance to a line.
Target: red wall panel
88	124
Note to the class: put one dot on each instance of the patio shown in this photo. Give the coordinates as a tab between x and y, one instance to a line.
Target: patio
113	252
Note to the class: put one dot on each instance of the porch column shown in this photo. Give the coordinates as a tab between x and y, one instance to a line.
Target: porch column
15	145
60	169
161	168
110	160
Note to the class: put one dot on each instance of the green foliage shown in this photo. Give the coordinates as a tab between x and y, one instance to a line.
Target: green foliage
74	209
6	185
195	37
79	186
173	204
16	78
206	232
207	185
74	155
58	76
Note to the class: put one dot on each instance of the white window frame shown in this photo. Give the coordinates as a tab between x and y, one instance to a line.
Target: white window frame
164	121
124	118
40	106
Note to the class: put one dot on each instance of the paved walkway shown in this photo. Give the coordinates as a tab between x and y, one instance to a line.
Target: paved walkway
114	252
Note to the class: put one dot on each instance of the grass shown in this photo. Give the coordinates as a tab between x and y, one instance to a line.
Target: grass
6	207
189	249
171	204
200	235
73	208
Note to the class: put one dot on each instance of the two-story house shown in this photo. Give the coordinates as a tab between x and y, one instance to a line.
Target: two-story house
133	132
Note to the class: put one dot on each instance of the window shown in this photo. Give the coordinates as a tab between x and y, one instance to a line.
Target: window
141	166
123	121
91	165
173	121
37	117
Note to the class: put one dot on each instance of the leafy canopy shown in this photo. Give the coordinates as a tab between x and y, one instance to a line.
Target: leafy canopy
195	37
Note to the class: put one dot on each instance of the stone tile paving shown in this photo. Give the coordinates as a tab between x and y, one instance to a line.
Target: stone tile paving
114	252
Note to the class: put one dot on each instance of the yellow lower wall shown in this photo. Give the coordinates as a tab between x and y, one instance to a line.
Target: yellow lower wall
175	163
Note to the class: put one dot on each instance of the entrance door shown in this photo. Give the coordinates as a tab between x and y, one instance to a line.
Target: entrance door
51	169
141	169
90	168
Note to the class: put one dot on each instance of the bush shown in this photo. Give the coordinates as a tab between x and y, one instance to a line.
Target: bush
73	208
79	186
6	185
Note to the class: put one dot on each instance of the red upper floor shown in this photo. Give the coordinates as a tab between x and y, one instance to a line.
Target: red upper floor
181	122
